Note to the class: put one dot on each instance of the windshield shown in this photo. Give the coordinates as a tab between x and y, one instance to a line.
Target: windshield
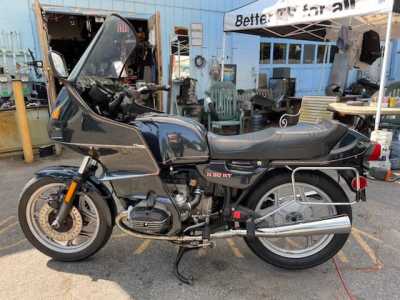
108	53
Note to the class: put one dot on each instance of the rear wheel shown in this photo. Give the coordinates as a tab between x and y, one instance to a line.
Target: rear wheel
85	231
298	252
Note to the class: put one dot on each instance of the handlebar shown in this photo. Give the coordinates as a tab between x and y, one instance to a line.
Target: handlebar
153	88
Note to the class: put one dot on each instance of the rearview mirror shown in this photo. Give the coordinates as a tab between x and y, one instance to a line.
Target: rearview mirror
58	64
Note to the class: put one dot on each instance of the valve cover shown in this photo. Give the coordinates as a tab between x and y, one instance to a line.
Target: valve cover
154	220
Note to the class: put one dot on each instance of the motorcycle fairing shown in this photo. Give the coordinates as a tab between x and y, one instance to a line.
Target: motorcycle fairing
121	147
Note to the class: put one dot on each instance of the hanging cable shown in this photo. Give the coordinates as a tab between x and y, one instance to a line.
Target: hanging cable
347	290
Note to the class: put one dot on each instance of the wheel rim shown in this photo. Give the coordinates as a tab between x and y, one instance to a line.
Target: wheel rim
85	207
296	247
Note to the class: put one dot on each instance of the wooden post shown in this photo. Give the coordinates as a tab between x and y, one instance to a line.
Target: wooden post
22	120
159	59
41	28
44	45
155	27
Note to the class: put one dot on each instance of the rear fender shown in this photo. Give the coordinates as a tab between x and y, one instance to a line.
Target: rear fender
67	173
243	198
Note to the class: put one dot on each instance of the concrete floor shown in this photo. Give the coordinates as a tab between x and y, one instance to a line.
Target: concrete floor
133	269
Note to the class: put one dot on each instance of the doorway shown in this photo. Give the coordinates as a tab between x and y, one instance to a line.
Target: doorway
70	34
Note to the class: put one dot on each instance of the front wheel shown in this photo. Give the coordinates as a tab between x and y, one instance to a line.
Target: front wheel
85	231
298	252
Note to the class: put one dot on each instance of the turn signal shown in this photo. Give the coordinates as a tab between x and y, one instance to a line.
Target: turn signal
363	183
56	113
375	153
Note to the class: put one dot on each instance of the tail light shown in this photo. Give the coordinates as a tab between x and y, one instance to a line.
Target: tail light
362	184
376	152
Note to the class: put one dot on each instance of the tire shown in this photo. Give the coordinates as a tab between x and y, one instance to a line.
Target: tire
103	231
331	189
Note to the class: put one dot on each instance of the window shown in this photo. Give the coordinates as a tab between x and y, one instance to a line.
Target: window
280	53
321	54
294	54
180	44
334	50
265	53
309	54
180	50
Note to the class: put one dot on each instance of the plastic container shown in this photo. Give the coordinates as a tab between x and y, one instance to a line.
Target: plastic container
384	138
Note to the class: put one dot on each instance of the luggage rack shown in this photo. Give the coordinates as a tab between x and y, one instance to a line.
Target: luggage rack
296	199
358	189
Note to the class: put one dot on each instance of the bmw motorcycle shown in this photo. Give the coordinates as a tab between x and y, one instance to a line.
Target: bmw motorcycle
163	177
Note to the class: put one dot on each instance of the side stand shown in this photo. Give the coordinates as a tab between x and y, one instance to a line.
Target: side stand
181	252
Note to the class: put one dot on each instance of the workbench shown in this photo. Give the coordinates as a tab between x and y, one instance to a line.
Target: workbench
38	118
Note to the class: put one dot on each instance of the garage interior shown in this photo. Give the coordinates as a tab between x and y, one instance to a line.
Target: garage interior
71	34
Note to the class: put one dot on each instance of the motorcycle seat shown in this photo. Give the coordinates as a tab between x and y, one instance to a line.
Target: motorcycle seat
301	142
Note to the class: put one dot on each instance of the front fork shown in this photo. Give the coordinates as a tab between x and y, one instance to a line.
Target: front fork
65	208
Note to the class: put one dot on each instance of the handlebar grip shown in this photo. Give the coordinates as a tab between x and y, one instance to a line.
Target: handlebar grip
153	88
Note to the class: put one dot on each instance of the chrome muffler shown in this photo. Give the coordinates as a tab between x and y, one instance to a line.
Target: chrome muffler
334	225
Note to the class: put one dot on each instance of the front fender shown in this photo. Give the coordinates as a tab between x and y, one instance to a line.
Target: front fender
67	173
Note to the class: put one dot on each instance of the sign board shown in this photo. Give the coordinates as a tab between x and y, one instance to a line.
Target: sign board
268	14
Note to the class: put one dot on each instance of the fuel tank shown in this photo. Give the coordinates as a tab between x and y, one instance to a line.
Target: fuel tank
174	139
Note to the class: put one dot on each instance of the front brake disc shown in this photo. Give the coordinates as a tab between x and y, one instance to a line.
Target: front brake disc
66	232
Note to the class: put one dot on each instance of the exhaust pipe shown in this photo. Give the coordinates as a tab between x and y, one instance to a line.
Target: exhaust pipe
334	225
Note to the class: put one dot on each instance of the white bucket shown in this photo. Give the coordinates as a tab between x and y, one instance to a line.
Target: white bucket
384	138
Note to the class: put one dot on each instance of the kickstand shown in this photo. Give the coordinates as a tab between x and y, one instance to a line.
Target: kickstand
186	280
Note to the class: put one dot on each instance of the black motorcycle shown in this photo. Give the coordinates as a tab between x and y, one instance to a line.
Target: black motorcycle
164	177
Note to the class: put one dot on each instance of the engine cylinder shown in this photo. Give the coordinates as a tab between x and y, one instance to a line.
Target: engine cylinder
151	220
